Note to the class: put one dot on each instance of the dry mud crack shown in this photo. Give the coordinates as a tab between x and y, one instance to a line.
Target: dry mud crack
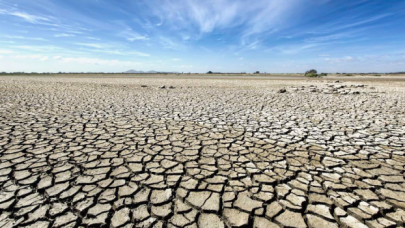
80	152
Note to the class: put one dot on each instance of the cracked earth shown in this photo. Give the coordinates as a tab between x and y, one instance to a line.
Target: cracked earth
120	152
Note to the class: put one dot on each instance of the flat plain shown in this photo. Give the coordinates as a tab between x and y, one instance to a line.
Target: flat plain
79	151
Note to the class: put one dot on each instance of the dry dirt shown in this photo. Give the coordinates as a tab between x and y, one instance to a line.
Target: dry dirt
120	152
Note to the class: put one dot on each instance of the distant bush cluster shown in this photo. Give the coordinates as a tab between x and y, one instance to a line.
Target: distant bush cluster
314	73
311	73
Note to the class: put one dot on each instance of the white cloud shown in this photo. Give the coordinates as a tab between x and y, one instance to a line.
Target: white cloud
206	15
64	35
130	35
269	16
40	48
137	53
293	49
93	45
168	43
176	59
251	45
345	25
331	37
31	18
185	66
137	38
92	38
211	15
95	61
7	41
5	51
340	60
35	57
26	38
111	49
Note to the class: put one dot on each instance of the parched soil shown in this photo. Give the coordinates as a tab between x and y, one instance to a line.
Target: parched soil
121	152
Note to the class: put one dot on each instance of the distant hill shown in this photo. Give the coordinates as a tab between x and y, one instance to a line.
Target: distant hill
147	72
133	72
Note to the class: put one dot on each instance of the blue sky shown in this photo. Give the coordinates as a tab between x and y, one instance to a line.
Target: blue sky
200	35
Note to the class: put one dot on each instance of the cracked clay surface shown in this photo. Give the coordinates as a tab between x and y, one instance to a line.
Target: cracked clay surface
110	152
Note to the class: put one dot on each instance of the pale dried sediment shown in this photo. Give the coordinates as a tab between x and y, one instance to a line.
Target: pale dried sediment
206	153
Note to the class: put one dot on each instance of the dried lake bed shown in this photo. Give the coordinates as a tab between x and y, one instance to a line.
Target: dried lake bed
78	151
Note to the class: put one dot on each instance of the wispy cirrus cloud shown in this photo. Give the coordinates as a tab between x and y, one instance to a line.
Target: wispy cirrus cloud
185	66
355	22
64	35
292	49
35	57
6	51
92	38
121	52
28	17
110	48
95	61
211	15
25	38
249	23
169	43
92	45
340	60
130	35
35	19
38	48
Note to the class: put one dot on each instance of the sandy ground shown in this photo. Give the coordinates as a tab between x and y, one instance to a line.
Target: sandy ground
223	151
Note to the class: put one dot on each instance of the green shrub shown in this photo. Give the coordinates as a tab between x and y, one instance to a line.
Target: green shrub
312	71
311	75
323	74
